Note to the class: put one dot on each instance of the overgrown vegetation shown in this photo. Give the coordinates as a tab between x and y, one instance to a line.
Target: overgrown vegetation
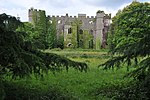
44	31
129	43
30	73
72	85
19	58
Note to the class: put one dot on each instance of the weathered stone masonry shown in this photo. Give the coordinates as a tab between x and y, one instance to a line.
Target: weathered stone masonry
80	31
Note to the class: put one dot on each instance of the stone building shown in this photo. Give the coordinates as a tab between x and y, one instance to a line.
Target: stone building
80	31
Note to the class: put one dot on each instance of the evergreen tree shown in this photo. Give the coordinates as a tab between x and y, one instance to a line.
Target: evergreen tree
20	58
130	42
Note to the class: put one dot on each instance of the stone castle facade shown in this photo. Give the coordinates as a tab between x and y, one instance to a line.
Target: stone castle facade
80	31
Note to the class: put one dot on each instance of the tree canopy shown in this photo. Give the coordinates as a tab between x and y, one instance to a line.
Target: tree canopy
130	38
129	42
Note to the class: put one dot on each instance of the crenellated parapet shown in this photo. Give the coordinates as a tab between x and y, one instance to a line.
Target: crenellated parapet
80	16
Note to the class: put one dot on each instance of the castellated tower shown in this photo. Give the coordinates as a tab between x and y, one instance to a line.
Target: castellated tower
30	15
99	29
37	18
35	15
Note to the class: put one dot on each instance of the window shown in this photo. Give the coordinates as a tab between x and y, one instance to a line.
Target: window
80	22
80	43
81	31
69	44
69	31
50	21
91	22
59	22
91	31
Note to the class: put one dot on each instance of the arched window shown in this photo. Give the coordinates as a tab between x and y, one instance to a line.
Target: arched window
69	31
81	31
69	44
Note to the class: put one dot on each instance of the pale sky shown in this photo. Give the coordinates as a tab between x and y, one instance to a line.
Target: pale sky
61	7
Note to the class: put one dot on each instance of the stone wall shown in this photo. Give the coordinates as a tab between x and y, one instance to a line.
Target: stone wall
94	29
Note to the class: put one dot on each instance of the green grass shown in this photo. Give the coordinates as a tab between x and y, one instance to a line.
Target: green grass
79	85
83	84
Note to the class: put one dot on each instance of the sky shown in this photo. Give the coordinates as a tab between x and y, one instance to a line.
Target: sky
61	7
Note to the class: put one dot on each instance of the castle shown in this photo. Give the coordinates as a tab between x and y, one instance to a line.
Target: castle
79	31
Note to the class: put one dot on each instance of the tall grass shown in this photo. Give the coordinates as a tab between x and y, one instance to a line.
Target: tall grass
73	84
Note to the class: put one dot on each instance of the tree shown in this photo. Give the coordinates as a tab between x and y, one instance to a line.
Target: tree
19	59
30	33
130	41
17	56
14	50
39	22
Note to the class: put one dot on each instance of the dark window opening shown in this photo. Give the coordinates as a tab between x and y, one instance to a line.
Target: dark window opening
91	32
81	31
69	44
69	31
81	44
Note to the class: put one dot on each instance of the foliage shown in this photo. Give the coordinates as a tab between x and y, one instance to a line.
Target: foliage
18	57
15	57
41	22
30	35
60	42
72	84
87	40
39	30
47	33
31	91
78	24
51	37
8	22
130	38
129	41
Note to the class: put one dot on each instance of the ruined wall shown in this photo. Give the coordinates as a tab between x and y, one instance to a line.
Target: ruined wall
94	29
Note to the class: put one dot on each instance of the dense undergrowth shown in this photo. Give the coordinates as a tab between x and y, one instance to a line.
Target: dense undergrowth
95	84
